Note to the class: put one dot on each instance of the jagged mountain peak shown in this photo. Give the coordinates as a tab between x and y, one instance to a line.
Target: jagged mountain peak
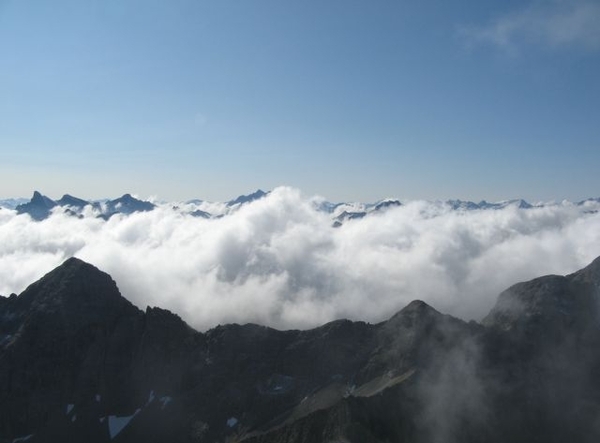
38	207
72	267
39	198
75	288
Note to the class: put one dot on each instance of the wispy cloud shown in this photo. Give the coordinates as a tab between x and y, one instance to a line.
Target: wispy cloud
547	23
278	260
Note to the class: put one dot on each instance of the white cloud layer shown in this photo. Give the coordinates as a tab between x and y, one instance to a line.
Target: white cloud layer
278	261
550	23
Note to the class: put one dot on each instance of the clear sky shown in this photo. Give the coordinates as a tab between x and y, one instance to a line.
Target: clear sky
353	100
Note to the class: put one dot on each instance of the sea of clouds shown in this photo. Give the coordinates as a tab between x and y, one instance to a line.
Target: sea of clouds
278	261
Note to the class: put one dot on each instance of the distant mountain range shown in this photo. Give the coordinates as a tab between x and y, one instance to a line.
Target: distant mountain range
79	363
40	206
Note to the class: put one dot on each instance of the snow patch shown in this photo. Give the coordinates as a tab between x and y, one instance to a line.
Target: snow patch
6	339
27	437
150	398
74	418
232	421
165	401
70	407
98	398
117	424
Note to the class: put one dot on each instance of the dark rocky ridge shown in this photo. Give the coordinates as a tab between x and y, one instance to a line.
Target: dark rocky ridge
78	362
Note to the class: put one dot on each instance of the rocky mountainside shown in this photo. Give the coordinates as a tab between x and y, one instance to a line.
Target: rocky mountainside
78	362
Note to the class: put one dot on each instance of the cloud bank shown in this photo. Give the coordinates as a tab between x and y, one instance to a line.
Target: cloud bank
549	23
278	261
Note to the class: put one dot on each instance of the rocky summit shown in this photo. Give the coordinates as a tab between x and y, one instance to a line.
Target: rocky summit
79	363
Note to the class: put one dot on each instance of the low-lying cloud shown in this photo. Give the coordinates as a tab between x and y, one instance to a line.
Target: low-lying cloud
278	261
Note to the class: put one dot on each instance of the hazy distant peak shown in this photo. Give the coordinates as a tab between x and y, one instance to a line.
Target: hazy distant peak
38	207
242	199
69	200
127	204
386	203
40	199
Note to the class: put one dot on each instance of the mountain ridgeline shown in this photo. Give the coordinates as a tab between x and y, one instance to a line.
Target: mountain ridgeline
78	362
40	207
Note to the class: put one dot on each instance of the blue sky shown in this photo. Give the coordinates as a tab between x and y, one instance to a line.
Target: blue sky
353	100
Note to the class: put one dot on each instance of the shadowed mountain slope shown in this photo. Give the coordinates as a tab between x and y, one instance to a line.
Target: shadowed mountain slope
78	362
